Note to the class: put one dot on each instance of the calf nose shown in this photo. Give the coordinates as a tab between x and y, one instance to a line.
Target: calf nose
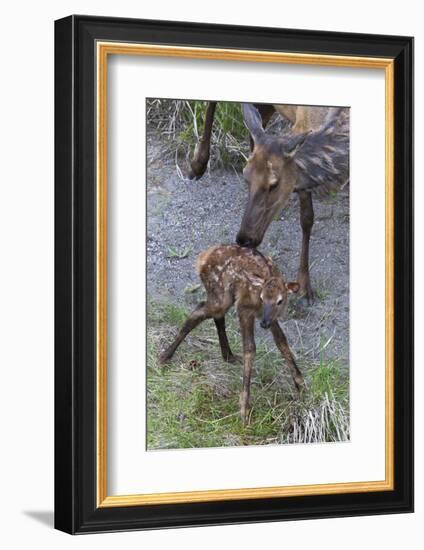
265	324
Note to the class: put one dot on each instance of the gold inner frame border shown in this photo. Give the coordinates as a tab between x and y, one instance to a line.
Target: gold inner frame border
103	50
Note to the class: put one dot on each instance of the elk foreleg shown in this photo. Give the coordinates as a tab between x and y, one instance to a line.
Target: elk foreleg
282	344
202	152
247	323
201	313
227	354
306	222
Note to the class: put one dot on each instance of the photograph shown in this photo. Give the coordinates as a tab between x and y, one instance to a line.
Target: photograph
247	274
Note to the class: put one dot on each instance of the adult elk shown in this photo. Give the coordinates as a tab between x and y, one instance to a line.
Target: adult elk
312	156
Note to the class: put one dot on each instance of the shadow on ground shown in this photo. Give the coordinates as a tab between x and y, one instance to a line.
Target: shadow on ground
46	517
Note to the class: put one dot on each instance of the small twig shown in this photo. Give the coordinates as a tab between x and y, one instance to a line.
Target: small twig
300	335
217	419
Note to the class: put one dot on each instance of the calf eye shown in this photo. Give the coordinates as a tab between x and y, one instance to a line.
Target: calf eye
280	301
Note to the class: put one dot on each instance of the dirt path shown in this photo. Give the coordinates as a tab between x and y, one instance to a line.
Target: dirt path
186	217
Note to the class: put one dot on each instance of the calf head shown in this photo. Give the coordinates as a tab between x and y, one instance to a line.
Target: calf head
274	299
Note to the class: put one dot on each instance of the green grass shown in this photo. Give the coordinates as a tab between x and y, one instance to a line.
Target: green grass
194	401
167	314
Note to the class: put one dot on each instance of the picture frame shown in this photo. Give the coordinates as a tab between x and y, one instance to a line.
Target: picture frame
83	45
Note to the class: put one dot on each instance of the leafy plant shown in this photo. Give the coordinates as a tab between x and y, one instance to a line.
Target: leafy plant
177	253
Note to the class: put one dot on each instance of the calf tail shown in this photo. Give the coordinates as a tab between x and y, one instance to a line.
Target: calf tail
202	259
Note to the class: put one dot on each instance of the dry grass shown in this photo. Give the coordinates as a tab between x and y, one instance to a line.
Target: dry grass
180	123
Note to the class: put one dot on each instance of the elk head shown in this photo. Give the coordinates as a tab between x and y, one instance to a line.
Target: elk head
271	176
278	166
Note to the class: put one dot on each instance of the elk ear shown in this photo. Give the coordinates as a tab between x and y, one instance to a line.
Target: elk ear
253	121
294	145
292	288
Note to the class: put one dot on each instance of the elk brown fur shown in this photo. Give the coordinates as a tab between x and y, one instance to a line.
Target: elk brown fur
312	156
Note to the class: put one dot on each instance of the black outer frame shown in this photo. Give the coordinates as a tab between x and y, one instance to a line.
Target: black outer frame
75	275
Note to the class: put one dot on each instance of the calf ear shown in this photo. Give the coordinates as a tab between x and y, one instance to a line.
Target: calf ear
253	121
292	287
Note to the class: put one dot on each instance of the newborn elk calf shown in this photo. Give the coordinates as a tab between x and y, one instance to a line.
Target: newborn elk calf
233	275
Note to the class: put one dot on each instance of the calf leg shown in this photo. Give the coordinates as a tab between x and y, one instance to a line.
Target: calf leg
282	344
201	313
201	154
247	323
306	222
227	354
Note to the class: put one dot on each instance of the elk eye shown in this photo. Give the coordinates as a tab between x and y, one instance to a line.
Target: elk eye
280	301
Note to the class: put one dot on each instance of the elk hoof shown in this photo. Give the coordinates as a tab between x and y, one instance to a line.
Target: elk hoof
164	358
192	176
234	359
244	409
196	170
308	295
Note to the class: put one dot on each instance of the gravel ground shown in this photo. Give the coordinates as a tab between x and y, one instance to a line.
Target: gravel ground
186	217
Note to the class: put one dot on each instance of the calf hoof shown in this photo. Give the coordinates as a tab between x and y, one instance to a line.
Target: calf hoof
244	414
300	384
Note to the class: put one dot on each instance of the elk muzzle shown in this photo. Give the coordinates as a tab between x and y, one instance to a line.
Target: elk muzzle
254	222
